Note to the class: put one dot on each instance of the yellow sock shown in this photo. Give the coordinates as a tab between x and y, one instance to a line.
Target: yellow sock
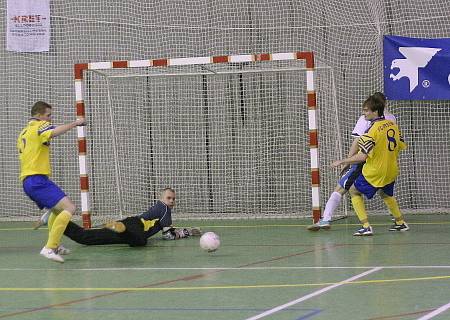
51	220
392	205
360	209
57	229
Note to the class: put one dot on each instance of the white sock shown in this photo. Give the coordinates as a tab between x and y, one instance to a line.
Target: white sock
332	204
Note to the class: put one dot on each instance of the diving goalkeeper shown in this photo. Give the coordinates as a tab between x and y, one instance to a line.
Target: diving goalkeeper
135	230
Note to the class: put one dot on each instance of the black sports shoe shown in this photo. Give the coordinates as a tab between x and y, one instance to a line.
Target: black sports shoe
399	227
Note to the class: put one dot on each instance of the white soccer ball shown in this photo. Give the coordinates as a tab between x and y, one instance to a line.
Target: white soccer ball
209	241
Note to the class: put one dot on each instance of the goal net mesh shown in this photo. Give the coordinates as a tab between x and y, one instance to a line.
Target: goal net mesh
231	139
345	36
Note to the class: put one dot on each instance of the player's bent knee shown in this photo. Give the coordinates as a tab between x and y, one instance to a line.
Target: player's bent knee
65	204
71	209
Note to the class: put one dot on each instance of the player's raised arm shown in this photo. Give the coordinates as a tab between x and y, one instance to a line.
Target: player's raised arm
59	130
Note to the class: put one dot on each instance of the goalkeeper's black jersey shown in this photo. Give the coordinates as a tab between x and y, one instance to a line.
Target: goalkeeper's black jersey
159	212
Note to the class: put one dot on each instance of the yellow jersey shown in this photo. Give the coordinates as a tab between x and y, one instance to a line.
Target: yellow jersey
382	144
33	145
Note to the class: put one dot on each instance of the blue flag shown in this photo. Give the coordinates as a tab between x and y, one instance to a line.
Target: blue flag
416	69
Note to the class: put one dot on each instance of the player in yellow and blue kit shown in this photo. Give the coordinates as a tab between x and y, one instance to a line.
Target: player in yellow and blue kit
349	173
33	145
379	148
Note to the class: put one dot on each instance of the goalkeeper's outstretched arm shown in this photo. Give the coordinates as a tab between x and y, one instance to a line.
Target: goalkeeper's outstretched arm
172	233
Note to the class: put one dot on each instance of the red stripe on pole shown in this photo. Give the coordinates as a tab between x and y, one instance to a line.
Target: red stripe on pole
263	57
315	179
78	70
84	183
311	99
316	215
80	109
160	62
309	58
82	146
313	139
86	218
120	64
220	59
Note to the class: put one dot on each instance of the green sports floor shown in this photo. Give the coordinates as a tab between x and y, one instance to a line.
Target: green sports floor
269	269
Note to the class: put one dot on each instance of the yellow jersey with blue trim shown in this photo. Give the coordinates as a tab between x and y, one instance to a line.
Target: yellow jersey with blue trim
33	145
382	143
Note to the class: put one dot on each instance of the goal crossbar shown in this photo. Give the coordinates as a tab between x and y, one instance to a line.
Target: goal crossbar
180	74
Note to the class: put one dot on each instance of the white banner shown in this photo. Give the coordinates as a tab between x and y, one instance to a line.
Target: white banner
28	26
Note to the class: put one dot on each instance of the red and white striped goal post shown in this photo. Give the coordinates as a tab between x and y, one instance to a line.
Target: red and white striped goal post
307	56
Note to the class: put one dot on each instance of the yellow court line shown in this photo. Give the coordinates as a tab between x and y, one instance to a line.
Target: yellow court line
263	286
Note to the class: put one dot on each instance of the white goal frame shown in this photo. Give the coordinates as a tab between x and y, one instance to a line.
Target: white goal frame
307	56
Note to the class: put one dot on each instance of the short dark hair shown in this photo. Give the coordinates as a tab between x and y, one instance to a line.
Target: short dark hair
380	96
375	104
39	108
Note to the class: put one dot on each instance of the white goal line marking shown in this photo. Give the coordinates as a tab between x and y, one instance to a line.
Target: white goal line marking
435	312
313	294
224	268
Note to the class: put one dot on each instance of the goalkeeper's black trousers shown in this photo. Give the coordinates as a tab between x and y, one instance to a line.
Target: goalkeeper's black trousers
133	236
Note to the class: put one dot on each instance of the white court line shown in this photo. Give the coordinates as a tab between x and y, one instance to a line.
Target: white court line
313	294
435	312
221	268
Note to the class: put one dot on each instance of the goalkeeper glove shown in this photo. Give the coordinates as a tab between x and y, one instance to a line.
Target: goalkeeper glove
179	233
194	231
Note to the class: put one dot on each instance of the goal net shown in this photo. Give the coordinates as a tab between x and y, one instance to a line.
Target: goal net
232	139
344	35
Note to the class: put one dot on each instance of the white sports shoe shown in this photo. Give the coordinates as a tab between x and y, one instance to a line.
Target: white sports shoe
43	220
51	254
62	250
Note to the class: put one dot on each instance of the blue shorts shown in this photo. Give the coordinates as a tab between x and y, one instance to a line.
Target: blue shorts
349	177
44	192
369	190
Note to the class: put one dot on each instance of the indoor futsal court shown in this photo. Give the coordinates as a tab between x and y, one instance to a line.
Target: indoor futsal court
260	122
273	269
